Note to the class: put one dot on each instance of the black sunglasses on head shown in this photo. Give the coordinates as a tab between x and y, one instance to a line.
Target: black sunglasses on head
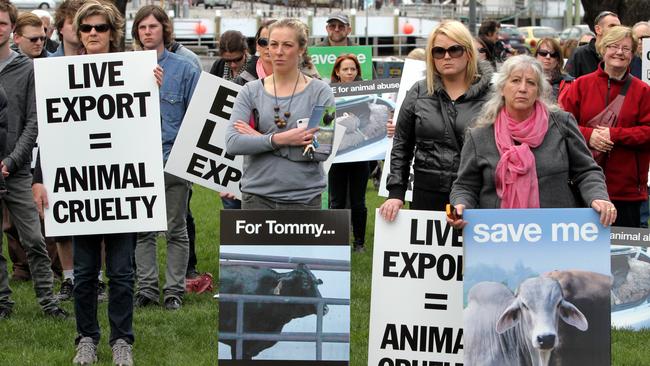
547	53
455	51
263	42
100	28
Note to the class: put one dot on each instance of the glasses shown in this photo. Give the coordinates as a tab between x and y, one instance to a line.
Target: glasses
263	42
582	43
455	51
36	39
480	50
100	28
545	53
336	25
235	60
615	48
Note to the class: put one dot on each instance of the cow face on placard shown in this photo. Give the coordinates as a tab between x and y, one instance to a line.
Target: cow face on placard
538	306
300	282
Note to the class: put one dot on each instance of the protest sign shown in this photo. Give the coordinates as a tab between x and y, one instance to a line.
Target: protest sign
284	288
199	152
364	108
100	141
417	292
413	71
645	60
323	57
536	287
631	278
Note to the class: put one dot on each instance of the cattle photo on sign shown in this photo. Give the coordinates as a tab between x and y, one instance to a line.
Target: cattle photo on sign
268	301
630	287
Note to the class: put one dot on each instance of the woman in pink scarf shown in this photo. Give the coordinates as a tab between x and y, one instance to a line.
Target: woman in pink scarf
524	151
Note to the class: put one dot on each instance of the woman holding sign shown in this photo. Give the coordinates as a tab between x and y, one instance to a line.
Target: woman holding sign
280	171
525	152
433	118
612	110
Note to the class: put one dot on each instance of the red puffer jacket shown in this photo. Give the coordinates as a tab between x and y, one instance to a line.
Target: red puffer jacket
626	165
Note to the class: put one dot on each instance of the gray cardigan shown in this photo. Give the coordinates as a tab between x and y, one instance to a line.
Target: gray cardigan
563	155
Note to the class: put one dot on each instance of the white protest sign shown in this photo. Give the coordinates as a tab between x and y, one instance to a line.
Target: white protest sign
100	141
199	152
416	306
413	71
645	60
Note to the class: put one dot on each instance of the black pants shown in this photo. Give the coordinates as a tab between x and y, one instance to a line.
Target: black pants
349	180
191	235
428	200
628	214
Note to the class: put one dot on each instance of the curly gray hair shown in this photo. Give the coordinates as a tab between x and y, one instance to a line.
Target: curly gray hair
516	63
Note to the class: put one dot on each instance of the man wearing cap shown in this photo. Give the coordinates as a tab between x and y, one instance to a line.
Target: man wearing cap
338	28
585	59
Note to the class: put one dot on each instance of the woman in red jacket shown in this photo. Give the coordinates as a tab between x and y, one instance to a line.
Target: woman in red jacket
614	117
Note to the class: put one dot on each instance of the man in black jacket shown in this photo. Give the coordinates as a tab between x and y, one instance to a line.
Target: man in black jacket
585	59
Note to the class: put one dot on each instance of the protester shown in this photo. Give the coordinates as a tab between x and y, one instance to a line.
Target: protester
260	65
586	38
568	48
481	49
348	181
278	170
338	29
585	59
524	150
29	36
549	54
99	27
50	44
432	119
233	52
488	32
64	24
152	30
641	31
17	79
615	122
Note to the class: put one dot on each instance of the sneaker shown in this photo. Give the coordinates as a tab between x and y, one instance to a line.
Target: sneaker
65	293
56	313
101	291
86	352
142	301
173	303
122	353
5	312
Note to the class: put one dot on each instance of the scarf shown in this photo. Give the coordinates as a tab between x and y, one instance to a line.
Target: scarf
261	74
516	174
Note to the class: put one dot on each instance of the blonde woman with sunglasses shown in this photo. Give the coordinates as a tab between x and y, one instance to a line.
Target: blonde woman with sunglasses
433	118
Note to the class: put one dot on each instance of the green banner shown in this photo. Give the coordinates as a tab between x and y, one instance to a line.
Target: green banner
324	58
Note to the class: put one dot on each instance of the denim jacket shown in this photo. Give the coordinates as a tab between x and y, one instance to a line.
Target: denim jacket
179	80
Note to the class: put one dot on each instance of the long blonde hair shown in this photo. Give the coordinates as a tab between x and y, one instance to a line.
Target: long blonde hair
456	31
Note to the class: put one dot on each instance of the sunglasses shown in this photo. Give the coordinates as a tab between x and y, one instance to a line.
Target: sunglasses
481	50
263	42
582	43
36	39
547	53
100	28
455	51
236	59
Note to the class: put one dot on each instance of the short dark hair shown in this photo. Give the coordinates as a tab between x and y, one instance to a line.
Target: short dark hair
488	27
265	25
232	41
160	15
603	14
10	9
66	10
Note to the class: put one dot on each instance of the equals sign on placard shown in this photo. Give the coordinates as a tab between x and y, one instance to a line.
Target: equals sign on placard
441	297
100	140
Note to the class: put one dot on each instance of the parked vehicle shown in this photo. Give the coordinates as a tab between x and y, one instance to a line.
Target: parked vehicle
509	34
534	34
33	4
574	32
209	4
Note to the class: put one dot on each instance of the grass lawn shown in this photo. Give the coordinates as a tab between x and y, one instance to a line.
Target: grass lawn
188	336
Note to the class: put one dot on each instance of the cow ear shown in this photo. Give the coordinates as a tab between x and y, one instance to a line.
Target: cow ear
278	288
572	316
509	318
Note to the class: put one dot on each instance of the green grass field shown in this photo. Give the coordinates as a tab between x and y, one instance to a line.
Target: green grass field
189	336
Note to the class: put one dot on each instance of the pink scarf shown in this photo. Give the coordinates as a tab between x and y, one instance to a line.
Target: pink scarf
516	174
261	74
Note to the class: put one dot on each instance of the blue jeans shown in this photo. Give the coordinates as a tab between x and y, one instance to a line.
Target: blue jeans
231	203
119	250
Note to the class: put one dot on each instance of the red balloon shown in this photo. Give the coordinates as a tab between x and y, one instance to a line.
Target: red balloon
408	28
200	28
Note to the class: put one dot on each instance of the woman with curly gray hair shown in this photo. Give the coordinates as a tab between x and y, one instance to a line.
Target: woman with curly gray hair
524	151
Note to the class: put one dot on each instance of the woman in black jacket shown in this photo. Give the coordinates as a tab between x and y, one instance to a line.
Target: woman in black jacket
433	118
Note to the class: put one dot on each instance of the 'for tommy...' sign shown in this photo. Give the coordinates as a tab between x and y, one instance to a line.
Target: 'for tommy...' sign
100	143
199	152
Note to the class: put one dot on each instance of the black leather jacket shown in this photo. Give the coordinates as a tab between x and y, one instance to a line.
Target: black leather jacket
424	131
